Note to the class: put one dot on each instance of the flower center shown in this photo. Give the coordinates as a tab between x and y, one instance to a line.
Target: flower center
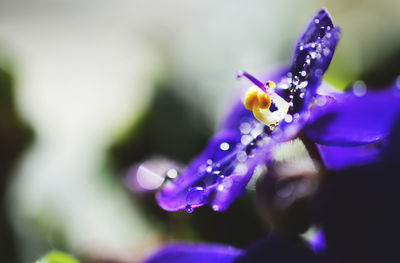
259	99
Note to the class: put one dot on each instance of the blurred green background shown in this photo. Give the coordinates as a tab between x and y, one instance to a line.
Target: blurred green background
90	87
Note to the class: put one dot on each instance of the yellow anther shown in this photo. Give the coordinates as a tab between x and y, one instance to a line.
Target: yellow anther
271	84
264	101
251	98
259	103
256	99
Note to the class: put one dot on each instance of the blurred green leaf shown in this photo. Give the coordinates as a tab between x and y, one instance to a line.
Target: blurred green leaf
57	257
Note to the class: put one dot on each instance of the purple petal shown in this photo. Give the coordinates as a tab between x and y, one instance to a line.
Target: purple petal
317	27
337	157
195	253
354	120
318	242
194	185
314	52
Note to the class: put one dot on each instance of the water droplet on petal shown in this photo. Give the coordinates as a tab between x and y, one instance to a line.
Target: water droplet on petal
359	88
189	209
172	173
245	127
224	146
308	59
326	51
241	156
246	139
195	196
288	118
316	21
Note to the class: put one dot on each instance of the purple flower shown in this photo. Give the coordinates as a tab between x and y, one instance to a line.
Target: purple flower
298	103
357	210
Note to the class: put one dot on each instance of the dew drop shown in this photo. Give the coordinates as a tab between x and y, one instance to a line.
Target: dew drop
303	73
241	156
326	51
308	59
316	21
359	88
195	196
246	139
215	207
245	127
288	118
295	80
172	173
224	146
209	162
189	209
303	84
209	169
220	187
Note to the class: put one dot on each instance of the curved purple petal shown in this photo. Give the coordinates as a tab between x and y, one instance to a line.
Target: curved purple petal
313	55
338	158
318	242
354	120
195	253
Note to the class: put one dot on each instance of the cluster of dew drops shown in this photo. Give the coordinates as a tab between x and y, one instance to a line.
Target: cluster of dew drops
217	172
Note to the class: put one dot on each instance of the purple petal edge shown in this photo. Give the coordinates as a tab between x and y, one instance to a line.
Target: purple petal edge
354	120
195	253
